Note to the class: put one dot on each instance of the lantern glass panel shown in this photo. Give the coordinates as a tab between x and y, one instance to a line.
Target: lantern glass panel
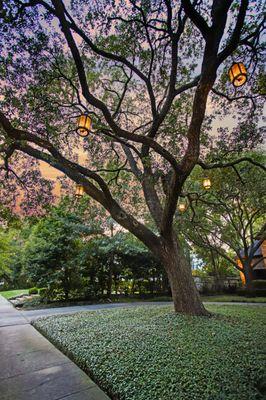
206	183
238	74
79	191
182	207
83	125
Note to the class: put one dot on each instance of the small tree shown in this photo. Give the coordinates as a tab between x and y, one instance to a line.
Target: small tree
213	264
51	253
228	220
121	257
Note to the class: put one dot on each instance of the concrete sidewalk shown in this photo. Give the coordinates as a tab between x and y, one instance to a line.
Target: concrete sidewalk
31	368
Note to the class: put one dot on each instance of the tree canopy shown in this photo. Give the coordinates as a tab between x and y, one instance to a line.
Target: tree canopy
228	221
153	77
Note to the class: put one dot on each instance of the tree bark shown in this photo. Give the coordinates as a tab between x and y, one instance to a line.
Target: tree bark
110	278
133	287
66	284
185	295
247	269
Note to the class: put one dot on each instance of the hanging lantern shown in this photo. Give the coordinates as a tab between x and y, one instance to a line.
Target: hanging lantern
206	183
182	206
83	125
79	191
238	74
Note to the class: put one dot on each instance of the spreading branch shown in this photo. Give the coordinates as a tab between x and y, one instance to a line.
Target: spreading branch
231	164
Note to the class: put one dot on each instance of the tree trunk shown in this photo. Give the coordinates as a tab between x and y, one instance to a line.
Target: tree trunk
116	283
66	295
217	278
151	285
247	269
110	278
185	295
133	287
165	285
66	284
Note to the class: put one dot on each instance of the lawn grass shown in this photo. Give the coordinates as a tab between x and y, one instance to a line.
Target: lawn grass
12	293
149	353
233	299
216	298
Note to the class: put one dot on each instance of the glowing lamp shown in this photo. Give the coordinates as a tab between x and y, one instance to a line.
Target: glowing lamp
206	183
182	207
79	191
83	125
238	74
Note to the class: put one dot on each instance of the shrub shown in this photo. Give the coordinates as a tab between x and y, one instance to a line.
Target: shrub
259	292
33	290
231	289
43	293
207	291
251	292
51	294
259	284
89	292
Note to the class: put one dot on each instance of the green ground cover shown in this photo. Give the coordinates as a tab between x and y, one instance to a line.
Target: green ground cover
149	353
12	293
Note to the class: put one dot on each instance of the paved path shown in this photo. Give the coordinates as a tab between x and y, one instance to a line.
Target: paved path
31	368
31	315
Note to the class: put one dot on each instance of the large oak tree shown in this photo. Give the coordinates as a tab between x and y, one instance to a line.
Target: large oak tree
144	70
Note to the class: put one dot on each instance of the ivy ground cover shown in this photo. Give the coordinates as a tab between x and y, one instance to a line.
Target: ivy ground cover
149	353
